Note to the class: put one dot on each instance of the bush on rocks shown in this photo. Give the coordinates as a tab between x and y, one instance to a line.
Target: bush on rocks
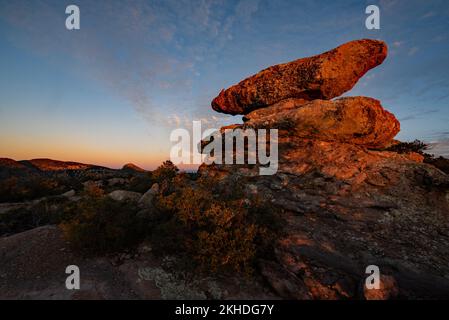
102	225
221	232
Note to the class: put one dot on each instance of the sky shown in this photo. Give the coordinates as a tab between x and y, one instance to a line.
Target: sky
111	92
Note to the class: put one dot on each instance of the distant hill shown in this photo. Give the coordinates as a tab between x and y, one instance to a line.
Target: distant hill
132	167
56	165
32	179
45	165
10	167
10	163
50	167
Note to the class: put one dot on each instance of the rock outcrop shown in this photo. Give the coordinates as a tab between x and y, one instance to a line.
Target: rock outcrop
324	76
347	202
147	199
354	120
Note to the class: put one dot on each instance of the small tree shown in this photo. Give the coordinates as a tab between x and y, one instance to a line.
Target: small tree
103	225
164	172
406	147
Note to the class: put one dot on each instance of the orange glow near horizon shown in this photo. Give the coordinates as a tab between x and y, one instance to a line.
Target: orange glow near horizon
21	150
112	158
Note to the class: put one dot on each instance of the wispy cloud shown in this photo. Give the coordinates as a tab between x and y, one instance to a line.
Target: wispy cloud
412	51
157	54
137	49
418	115
438	143
440	148
429	14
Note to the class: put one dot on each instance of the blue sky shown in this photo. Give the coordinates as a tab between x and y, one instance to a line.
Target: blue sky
111	92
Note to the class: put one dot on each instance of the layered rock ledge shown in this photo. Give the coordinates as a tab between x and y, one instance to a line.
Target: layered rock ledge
354	120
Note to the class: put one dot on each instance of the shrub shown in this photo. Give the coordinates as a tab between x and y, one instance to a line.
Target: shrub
102	225
140	183
219	231
22	188
48	211
440	162
93	191
8	189
164	172
407	147
420	147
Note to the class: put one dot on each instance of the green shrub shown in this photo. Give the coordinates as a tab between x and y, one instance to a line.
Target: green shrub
220	230
440	162
93	191
420	147
165	172
140	183
102	225
407	147
18	188
48	211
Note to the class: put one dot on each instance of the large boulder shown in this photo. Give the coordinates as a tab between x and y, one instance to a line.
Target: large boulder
323	76
122	195
147	199
354	120
69	194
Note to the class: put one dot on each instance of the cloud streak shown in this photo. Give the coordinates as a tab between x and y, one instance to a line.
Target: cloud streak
418	115
137	49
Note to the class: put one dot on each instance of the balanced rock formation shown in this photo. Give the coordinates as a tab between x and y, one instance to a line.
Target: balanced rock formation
347	202
324	76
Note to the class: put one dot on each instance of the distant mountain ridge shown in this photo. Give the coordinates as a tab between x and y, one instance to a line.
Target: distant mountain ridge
10	163
46	165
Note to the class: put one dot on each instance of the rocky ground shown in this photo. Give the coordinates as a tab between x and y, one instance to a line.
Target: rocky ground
33	265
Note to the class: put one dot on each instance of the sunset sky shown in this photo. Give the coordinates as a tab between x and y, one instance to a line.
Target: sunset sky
111	92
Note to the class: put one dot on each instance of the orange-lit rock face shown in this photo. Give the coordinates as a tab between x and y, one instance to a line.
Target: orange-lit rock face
355	120
388	289
324	76
281	106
